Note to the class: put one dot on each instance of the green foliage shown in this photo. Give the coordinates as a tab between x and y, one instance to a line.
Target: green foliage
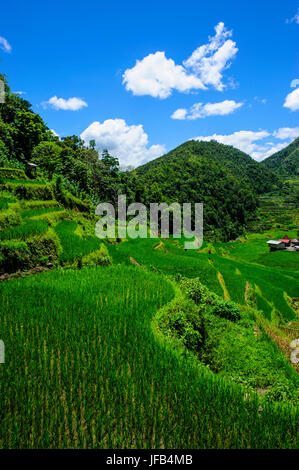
40	211
201	295
88	334
29	191
196	291
98	257
181	319
200	171
12	173
47	156
40	248
21	232
5	200
225	309
286	161
14	255
45	248
73	245
9	218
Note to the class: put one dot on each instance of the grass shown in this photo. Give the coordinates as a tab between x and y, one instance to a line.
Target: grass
73	245
18	181
92	373
272	283
22	232
40	211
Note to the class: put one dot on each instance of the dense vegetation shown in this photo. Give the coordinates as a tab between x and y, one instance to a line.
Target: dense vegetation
223	178
93	373
286	161
249	172
167	347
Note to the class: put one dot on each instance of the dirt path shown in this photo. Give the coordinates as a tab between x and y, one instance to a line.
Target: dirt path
224	288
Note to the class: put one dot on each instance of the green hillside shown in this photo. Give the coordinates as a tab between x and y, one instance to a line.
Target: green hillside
286	161
238	163
139	343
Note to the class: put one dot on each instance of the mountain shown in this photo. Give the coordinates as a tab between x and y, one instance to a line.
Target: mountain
238	163
286	161
221	177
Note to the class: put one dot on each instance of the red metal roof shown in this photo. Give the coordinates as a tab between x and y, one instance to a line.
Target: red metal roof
285	239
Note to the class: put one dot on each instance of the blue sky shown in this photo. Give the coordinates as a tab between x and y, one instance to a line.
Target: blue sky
236	88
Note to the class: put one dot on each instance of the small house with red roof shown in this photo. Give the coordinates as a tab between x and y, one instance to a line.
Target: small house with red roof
286	240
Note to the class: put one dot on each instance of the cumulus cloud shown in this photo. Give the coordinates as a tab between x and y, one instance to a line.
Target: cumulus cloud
198	110
71	104
294	83
210	60
287	133
292	100
4	45
128	143
158	76
256	144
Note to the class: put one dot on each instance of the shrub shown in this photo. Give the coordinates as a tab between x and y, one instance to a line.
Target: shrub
201	295
40	204
29	190
181	319
9	218
225	309
97	258
13	256
12	173
196	291
45	248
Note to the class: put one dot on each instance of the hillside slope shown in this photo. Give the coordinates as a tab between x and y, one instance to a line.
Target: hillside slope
238	163
286	161
224	179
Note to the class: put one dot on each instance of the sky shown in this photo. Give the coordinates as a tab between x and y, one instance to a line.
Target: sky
141	78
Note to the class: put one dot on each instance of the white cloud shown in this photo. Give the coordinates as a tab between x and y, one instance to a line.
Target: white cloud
128	143
292	100
4	45
55	133
253	143
180	113
198	110
210	60
287	133
158	76
71	104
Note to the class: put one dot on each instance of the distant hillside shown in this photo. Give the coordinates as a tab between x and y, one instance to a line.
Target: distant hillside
286	161
206	172
238	163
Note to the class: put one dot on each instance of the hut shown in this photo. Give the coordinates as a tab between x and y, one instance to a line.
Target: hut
286	240
276	245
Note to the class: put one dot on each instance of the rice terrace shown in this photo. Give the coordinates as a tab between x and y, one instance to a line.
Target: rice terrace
130	339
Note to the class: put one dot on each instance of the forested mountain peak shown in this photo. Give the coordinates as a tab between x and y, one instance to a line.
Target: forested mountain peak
286	161
238	163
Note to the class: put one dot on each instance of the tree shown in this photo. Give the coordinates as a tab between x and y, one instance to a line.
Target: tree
47	155
30	130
